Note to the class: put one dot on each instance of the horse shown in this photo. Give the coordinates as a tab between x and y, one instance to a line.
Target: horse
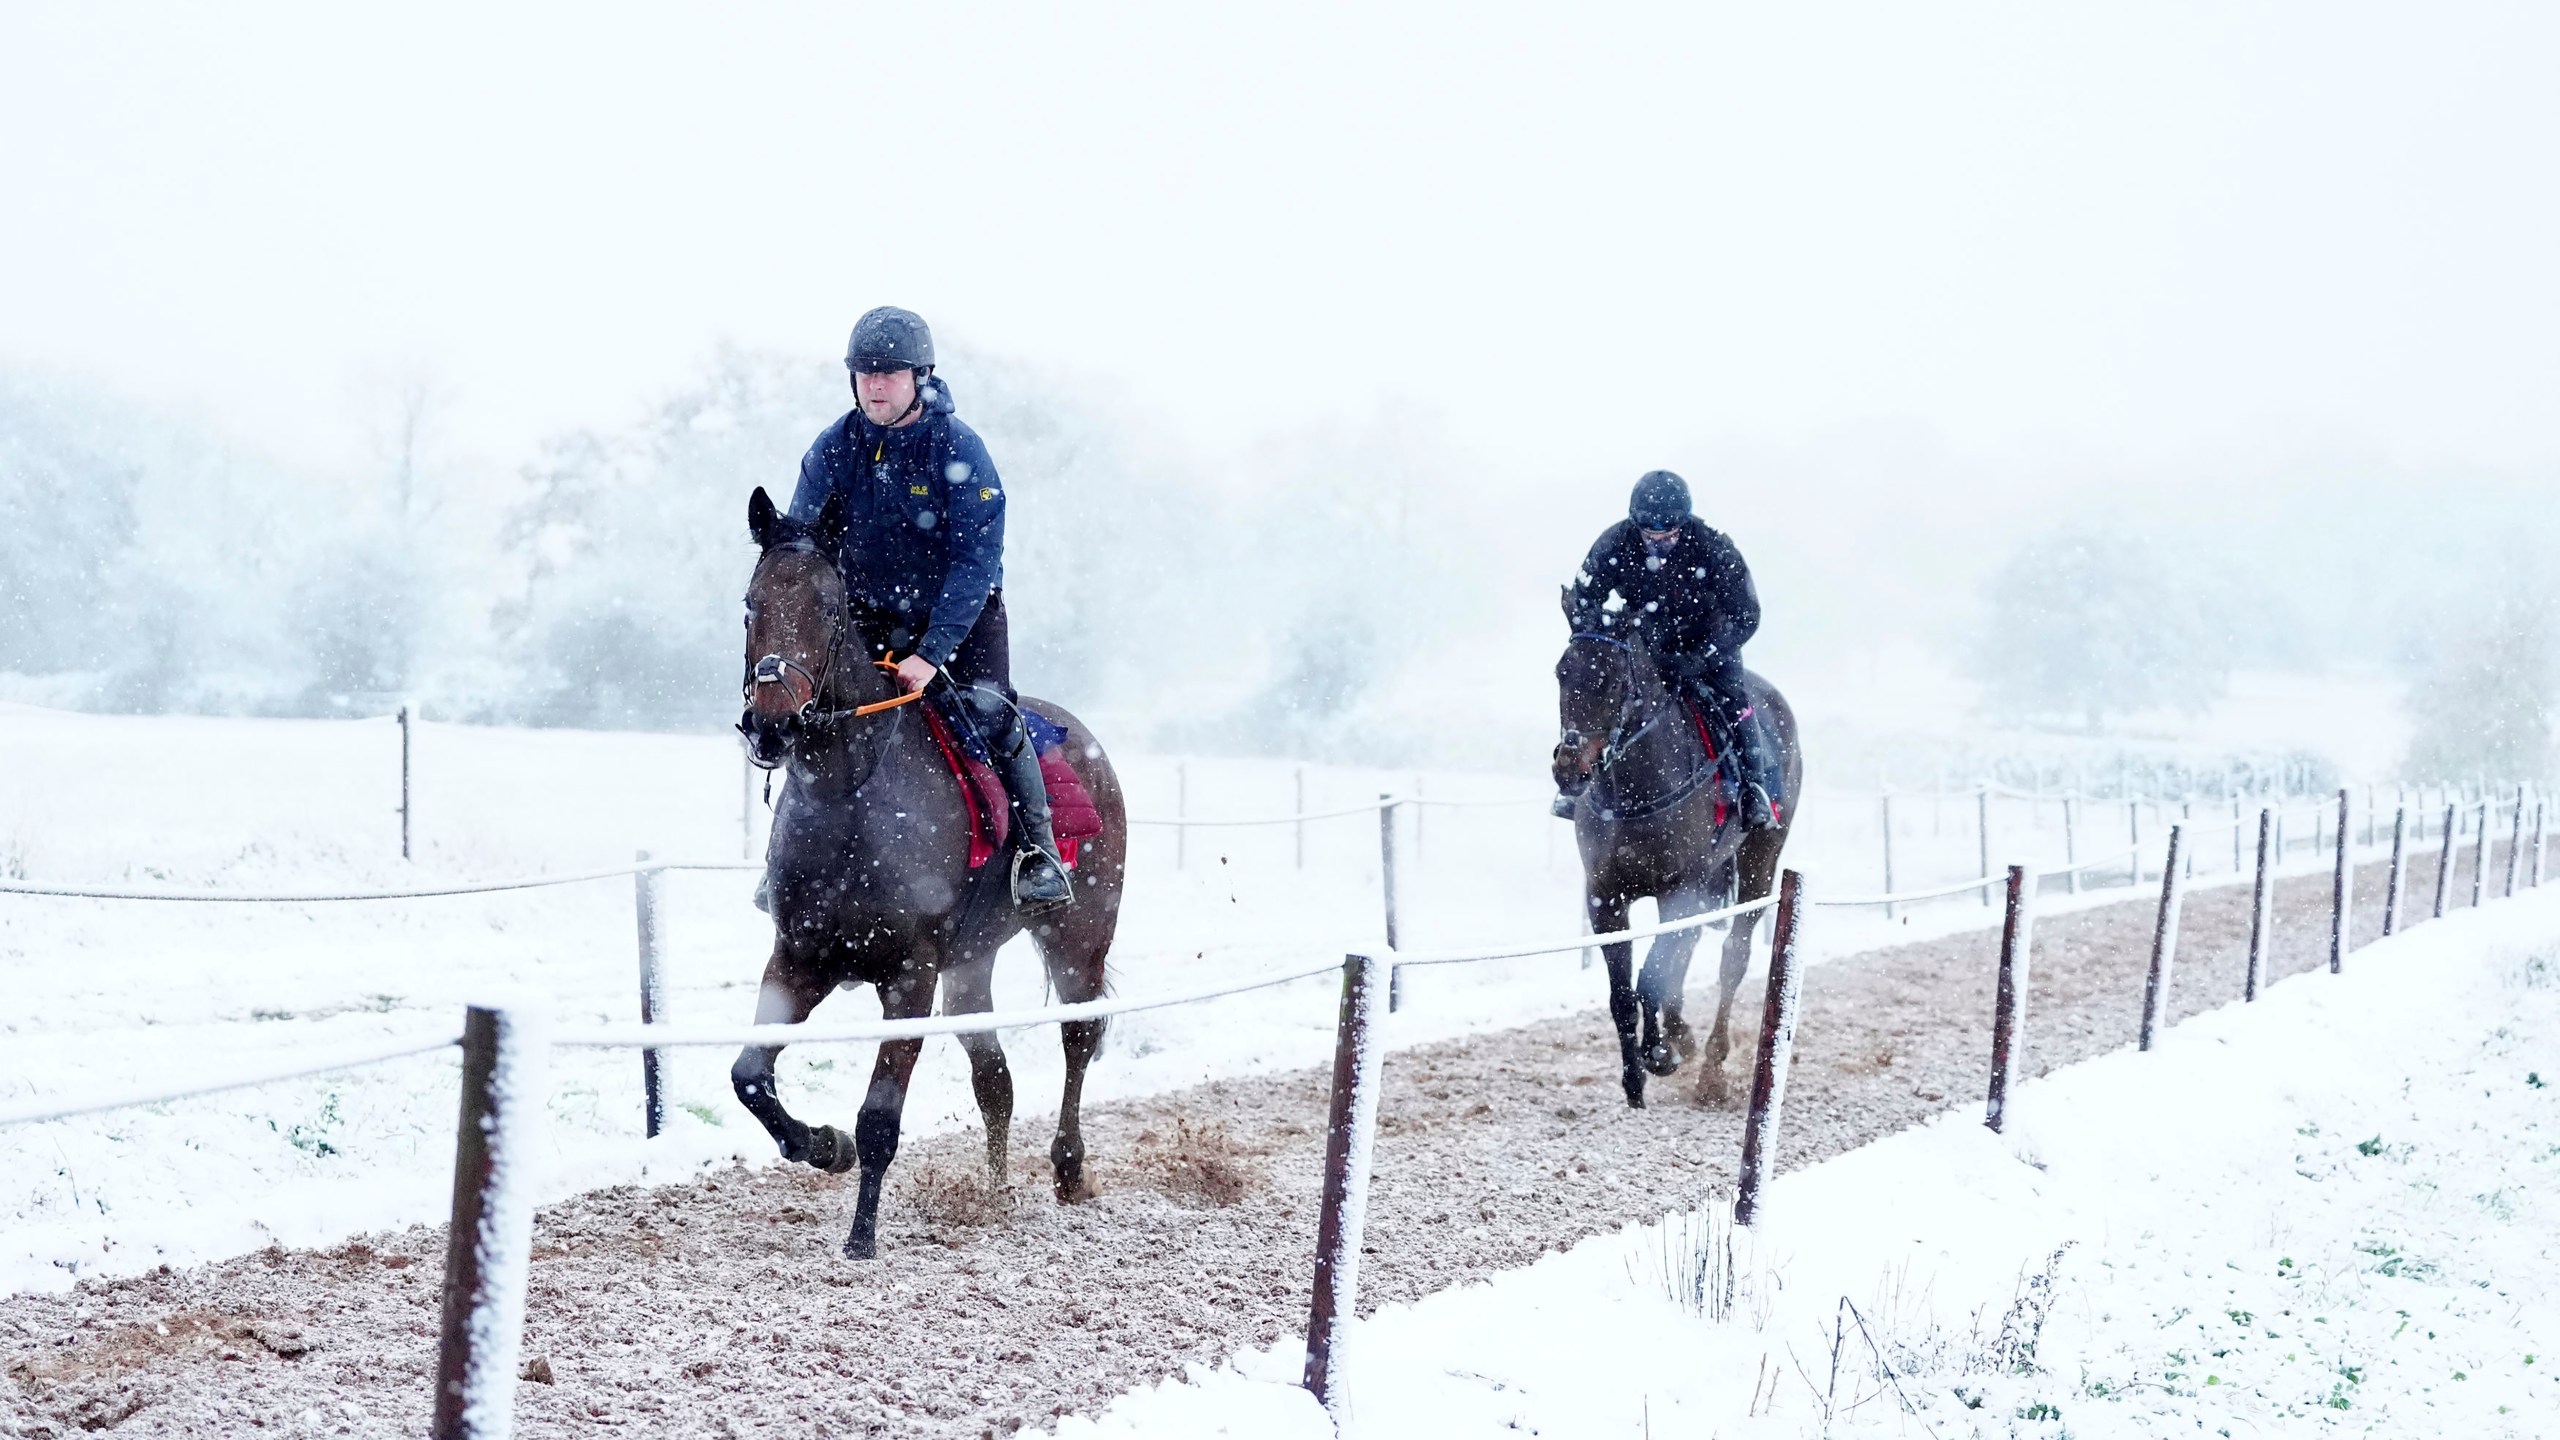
1647	825
869	877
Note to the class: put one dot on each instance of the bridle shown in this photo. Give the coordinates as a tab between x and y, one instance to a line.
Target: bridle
1622	740
775	669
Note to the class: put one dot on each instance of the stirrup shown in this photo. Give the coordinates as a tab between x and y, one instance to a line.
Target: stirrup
1564	805
1758	810
1035	893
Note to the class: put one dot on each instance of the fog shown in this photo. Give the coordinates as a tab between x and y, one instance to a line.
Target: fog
349	356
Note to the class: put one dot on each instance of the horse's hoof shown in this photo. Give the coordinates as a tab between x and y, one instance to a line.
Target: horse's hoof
1713	1089
1635	1089
831	1150
1682	1040
1661	1059
859	1246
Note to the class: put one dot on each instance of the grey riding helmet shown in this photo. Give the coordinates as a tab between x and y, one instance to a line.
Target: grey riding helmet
887	339
1660	501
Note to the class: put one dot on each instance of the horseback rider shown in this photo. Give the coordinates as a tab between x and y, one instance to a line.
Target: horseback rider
1683	597
923	559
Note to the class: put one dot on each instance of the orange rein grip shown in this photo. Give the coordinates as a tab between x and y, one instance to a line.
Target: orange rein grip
876	706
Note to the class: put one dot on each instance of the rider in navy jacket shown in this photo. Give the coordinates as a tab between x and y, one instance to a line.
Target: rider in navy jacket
923	559
1678	591
924	508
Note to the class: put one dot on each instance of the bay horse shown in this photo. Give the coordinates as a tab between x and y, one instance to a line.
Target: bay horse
868	869
1648	825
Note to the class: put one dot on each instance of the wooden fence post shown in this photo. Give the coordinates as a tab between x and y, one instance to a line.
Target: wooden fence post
404	782
2071	839
2480	865
2444	864
2392	893
2009	1007
1387	882
505	1055
1302	817
653	993
2133	827
1777	1048
2515	846
2236	860
1885	804
1982	831
2164	945
2342	887
2261	907
1351	1127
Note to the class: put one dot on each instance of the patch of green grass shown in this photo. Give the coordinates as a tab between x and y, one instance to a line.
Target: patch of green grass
2241	1317
702	1112
2369	1147
2041	1410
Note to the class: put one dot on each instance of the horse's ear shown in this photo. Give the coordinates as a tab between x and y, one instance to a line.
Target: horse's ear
764	522
829	529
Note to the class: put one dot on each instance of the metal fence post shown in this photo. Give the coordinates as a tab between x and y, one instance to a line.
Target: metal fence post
2236	860
2393	892
2261	907
1351	1127
2342	887
2444	865
653	993
404	782
504	1058
1777	1048
1388	877
1885	808
2164	945
2133	828
2009	1006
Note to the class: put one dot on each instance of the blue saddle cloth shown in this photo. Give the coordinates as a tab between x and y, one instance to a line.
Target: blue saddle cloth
1046	734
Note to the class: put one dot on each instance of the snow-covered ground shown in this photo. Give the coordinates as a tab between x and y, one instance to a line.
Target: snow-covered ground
105	994
2329	1212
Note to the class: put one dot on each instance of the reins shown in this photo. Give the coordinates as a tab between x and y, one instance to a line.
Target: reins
1621	740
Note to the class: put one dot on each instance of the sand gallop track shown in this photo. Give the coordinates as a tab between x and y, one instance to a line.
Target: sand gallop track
720	1307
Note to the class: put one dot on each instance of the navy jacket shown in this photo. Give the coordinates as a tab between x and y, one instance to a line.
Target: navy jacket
924	517
1686	608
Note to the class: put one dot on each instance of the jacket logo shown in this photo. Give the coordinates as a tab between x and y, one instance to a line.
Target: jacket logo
987	493
919	490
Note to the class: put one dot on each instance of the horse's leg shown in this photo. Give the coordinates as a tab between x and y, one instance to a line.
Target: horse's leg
1757	867
875	1130
1608	913
1675	1029
1666	974
1074	949
789	993
968	989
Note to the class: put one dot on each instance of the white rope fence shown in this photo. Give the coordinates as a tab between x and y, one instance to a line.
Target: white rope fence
37	1111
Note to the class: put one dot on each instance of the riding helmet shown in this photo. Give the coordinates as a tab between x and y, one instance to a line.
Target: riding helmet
1660	501
887	339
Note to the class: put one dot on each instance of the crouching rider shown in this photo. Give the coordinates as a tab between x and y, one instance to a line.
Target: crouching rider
923	559
1684	599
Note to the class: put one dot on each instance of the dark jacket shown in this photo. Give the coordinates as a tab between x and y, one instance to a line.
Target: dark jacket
1686	607
924	517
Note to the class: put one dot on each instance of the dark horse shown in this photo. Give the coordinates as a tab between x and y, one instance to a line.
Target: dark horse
1647	826
870	877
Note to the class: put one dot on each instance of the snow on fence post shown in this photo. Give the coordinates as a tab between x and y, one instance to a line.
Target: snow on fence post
2444	864
2480	864
1982	832
1302	817
2236	859
2515	846
1777	1048
1394	895
653	993
2392	893
505	1054
2133	827
2261	907
404	782
2342	886
1885	809
2369	817
1351	1126
2164	944
2071	839
2009	1007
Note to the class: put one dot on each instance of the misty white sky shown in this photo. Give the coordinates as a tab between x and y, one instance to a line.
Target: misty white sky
1588	239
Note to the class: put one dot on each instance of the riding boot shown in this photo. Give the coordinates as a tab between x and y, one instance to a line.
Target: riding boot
1760	779
1040	881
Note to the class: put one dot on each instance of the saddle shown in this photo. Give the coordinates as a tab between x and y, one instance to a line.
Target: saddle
1073	817
1715	732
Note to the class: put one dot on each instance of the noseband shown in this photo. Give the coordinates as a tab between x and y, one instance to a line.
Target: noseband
776	669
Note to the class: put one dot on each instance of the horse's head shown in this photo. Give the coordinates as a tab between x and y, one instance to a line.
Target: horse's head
1595	683
797	624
